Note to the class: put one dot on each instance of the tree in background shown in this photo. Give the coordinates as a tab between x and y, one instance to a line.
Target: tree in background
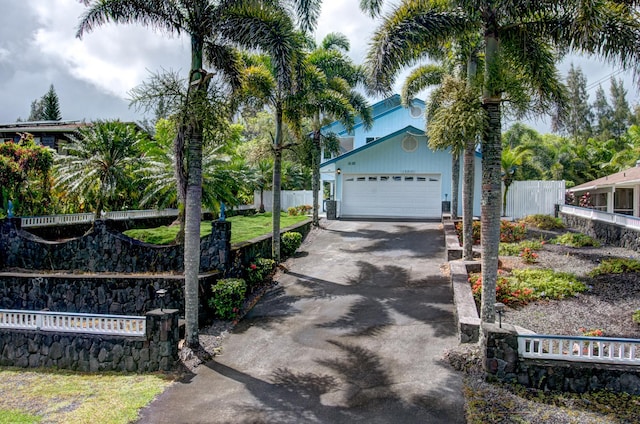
47	108
98	166
603	115
24	176
575	119
621	116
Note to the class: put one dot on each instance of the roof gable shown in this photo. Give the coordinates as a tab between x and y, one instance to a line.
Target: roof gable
379	109
408	129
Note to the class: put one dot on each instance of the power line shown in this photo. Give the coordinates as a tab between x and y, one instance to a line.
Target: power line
593	85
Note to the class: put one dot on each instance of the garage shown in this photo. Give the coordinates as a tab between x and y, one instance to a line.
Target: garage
392	196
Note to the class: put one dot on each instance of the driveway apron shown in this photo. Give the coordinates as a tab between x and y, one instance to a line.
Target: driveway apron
353	332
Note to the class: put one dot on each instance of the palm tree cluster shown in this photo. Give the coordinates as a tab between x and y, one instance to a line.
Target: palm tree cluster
520	44
250	56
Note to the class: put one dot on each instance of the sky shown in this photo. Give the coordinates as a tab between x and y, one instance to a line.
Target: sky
93	75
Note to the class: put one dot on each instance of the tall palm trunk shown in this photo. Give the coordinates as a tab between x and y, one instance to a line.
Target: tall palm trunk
277	180
193	201
181	179
468	182
315	180
455	184
491	167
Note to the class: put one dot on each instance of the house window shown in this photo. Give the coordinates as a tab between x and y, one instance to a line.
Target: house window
373	178
384	178
623	201
421	179
361	179
599	201
371	139
408	178
397	178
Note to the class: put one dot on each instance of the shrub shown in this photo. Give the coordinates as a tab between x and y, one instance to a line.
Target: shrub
475	229
290	242
544	222
547	283
299	210
576	240
258	271
616	266
514	249
228	296
636	316
292	211
526	285
529	256
511	232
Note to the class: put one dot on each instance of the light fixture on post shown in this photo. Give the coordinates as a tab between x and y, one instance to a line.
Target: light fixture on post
338	171
161	293
499	310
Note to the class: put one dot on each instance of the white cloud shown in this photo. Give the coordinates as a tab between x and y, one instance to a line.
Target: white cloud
114	58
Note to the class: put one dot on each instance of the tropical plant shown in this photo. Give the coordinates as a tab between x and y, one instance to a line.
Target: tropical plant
98	165
544	222
227	297
24	176
616	266
329	81
576	240
291	240
519	55
213	27
510	161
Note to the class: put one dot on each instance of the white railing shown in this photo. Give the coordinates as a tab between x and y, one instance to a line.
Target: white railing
288	199
117	325
601	350
87	218
627	221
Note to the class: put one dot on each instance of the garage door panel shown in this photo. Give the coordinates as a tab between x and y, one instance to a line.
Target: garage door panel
415	196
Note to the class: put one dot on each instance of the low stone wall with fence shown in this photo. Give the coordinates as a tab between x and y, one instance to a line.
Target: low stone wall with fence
106	250
155	350
606	232
585	372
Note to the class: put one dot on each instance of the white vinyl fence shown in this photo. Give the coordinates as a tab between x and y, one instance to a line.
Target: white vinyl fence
288	199
534	197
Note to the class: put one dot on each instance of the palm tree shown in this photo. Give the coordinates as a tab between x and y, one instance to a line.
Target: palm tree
519	38
266	84
213	27
99	163
329	93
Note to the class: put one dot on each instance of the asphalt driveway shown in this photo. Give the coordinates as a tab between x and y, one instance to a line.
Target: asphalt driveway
354	332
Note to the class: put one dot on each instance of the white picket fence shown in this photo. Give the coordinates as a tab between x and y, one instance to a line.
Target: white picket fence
87	218
602	350
534	197
66	322
288	199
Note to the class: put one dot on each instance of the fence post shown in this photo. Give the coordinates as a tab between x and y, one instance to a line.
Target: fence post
500	351
163	334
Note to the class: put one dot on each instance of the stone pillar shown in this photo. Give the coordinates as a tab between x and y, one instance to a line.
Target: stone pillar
163	336
500	351
221	231
332	210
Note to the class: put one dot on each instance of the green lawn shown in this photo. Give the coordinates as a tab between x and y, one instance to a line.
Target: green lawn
243	228
33	396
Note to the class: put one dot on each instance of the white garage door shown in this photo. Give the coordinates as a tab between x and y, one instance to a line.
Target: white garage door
387	195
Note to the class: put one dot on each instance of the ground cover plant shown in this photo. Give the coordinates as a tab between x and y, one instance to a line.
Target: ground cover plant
243	228
68	397
544	222
576	240
616	266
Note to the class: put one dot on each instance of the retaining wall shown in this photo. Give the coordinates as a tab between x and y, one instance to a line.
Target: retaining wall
158	351
106	250
607	233
502	362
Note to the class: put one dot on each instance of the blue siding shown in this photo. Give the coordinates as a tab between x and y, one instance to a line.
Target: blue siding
388	157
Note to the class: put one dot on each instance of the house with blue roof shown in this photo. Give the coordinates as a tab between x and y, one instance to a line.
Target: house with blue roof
389	171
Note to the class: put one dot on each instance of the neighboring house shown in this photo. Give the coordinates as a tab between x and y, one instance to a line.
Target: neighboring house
48	133
389	171
615	193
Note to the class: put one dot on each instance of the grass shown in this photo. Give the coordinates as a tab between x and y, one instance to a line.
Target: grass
243	228
70	397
